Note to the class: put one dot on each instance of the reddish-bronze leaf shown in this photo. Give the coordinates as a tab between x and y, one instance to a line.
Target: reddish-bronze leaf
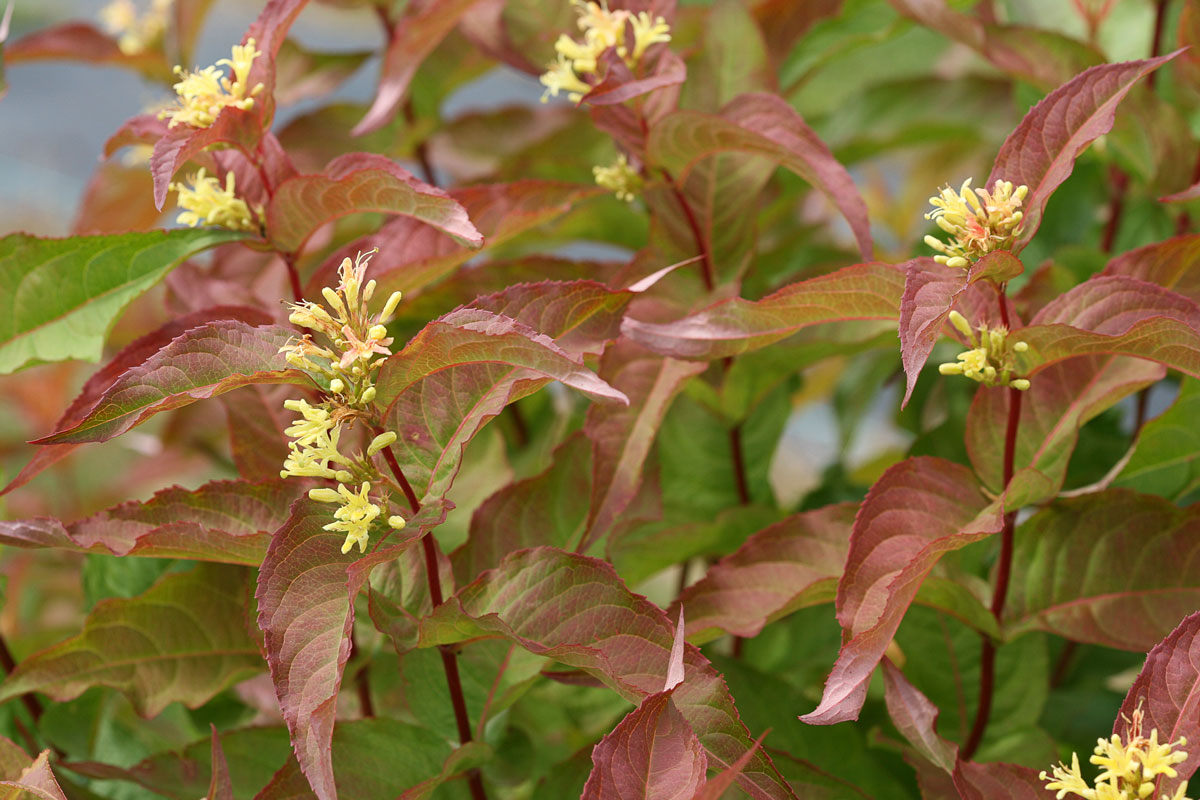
232	126
1041	152
920	509
652	754
930	291
414	255
543	510
1061	399
1167	691
1115	568
916	718
360	182
623	435
34	780
761	124
132	355
223	521
417	32
219	787
792	564
306	591
1117	315
998	781
730	327
576	610
200	363
620	85
1170	264
80	41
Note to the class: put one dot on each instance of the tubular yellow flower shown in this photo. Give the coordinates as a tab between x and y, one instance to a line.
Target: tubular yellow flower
601	29
1128	770
354	517
560	76
314	426
205	202
990	360
621	179
204	93
979	221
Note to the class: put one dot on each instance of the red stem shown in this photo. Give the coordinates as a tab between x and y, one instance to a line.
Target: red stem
987	657
708	273
1120	182
1160	19
448	654
31	703
739	464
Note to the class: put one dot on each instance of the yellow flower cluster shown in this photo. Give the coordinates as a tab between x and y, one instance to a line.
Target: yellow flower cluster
205	202
980	221
135	32
620	178
204	93
355	337
1128	771
601	29
990	361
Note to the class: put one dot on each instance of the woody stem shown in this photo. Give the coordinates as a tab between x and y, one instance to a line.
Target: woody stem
449	654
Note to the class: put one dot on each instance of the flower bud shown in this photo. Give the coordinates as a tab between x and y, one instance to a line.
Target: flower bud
1020	384
334	301
368	394
1020	347
960	323
389	307
377	332
324	495
381	441
342	476
396	522
336	386
368	291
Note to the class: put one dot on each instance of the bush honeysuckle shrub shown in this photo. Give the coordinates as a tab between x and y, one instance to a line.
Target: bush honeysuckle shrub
461	445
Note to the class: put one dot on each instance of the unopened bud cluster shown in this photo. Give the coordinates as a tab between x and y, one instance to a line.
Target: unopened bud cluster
352	336
355	337
990	359
578	61
1128	771
979	221
204	93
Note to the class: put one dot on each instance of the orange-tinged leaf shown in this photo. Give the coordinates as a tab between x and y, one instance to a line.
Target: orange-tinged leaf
652	754
360	182
1040	153
863	291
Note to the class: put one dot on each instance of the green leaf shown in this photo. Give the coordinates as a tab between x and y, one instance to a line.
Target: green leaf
1168	448
253	756
1113	568
575	609
59	297
183	640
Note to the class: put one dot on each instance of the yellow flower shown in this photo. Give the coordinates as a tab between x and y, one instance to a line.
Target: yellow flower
135	33
204	93
206	203
354	517
620	178
990	360
979	221
647	31
1128	770
561	77
602	29
314	425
